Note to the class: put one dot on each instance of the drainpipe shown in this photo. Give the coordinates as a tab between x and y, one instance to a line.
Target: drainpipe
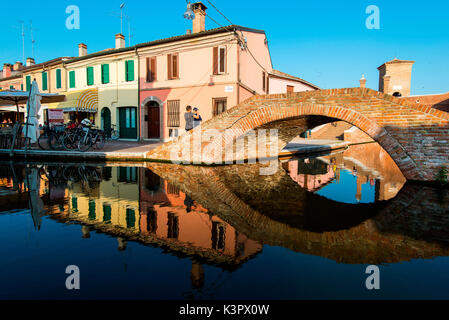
139	117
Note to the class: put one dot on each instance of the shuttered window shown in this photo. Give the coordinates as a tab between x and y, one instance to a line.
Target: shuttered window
90	76
129	70
173	66
290	89
58	79
173	119
72	79
130	218
219	60
107	213
28	83
151	69
92	210
219	106
44	81
11	87
105	73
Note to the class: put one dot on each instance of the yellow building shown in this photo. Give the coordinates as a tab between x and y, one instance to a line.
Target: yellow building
104	87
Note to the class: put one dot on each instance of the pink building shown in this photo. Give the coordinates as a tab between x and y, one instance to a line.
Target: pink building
212	70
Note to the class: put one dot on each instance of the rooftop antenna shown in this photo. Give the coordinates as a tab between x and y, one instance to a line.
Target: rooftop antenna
121	17
129	30
32	39
22	28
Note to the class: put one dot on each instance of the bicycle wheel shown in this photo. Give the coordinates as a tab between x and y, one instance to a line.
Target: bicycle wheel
99	141
56	142
114	135
44	142
70	141
85	143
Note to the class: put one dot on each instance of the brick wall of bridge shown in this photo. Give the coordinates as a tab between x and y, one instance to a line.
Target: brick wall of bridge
415	136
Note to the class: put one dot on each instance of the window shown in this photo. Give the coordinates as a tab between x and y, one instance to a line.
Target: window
220	105
58	79
107	213
105	73
11	87
173	119
28	83
72	79
74	204
173	66
130	218
90	76
92	210
172	226
129	70
151	69
44	81
290	89
219	60
218	236
130	120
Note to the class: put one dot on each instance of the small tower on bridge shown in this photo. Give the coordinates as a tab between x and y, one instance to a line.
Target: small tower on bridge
395	77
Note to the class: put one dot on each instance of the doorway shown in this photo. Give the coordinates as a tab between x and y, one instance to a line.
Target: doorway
128	122
106	121
153	121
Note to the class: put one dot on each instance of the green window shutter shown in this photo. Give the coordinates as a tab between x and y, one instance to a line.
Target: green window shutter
28	83
74	204
92	213
58	79
107	213
105	73
72	79
44	81
130	218
90	76
21	86
129	66
11	87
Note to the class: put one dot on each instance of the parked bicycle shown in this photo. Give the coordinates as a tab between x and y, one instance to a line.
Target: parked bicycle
91	137
51	139
112	133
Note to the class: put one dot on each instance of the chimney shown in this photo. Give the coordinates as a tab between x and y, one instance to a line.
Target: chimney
30	62
82	50
120	41
18	66
363	82
6	70
386	84
199	23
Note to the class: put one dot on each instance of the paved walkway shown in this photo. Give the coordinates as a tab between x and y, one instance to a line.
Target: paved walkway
132	151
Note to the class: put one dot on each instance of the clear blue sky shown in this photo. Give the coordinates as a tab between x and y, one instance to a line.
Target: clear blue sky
325	42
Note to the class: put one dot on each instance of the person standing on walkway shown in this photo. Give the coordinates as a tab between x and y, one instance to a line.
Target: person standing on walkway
188	116
196	117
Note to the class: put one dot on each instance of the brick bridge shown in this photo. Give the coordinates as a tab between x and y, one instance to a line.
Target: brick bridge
415	136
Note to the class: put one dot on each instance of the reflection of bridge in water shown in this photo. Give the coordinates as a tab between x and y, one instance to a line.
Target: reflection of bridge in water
277	211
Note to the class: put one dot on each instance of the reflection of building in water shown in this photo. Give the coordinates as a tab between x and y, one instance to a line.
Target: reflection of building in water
369	164
170	214
134	204
311	174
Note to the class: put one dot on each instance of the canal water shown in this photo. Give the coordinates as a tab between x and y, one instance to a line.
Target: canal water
161	231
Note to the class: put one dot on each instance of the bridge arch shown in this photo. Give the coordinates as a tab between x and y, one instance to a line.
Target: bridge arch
415	136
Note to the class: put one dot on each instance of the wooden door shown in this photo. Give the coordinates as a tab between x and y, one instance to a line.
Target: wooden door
154	128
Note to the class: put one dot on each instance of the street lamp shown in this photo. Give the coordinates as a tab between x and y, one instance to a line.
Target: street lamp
189	15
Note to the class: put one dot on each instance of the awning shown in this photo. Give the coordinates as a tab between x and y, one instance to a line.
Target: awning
81	101
12	109
15	97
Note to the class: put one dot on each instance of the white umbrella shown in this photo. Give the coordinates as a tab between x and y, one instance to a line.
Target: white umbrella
33	108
